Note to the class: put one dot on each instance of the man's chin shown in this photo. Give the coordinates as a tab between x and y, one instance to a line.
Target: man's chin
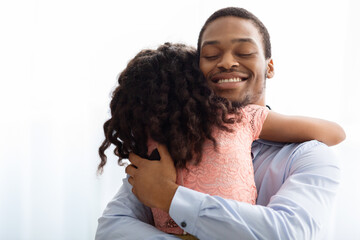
237	103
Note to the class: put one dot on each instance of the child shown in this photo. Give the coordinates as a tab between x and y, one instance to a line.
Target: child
162	97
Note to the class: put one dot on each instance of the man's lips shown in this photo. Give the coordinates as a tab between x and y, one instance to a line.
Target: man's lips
230	80
229	77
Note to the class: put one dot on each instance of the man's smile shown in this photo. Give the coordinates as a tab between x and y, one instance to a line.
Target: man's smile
224	77
230	80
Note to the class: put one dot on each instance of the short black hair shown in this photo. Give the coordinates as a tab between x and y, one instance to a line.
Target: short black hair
241	13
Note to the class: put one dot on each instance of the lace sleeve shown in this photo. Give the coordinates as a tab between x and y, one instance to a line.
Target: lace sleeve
256	117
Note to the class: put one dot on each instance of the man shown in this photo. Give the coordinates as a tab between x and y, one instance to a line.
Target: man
296	183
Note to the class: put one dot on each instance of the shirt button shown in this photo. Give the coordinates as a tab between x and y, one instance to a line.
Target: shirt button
183	224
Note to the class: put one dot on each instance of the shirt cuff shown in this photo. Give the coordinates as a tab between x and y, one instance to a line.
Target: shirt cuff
185	208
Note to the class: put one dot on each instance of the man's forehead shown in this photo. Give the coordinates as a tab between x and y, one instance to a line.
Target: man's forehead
233	40
232	29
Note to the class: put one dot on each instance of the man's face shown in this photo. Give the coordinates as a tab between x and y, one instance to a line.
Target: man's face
233	61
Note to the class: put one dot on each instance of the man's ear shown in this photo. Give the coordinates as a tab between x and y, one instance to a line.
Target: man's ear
270	72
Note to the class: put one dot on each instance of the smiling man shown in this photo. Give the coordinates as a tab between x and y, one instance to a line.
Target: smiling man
232	58
296	183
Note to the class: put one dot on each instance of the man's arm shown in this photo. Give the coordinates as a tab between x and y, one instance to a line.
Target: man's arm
302	180
127	218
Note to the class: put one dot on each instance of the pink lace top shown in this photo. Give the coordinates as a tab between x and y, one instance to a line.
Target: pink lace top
227	172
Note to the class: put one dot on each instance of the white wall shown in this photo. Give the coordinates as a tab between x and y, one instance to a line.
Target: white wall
58	64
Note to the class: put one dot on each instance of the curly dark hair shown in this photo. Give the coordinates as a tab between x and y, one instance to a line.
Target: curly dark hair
162	94
240	13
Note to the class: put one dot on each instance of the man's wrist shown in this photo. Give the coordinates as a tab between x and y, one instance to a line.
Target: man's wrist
169	193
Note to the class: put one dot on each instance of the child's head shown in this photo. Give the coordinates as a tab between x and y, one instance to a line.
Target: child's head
162	94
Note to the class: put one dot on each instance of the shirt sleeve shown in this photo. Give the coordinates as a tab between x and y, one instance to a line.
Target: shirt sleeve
300	208
125	217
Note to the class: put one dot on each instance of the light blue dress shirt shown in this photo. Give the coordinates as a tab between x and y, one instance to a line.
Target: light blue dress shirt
297	186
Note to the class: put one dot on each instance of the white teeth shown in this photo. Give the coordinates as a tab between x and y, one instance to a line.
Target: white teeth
229	80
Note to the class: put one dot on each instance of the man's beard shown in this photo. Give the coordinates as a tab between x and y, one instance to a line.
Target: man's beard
236	104
242	103
248	99
233	104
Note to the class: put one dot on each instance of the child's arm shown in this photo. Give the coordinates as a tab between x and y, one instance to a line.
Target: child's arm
282	128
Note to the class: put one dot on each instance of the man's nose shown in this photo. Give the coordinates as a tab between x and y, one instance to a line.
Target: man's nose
228	61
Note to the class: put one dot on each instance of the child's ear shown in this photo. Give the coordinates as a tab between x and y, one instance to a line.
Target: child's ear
270	72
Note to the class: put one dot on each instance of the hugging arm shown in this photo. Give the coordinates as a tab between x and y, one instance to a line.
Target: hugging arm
297	185
298	199
125	217
282	128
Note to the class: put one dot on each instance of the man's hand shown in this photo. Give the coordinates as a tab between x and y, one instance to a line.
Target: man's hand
154	182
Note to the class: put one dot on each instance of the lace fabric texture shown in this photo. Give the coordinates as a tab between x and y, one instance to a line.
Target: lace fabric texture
227	171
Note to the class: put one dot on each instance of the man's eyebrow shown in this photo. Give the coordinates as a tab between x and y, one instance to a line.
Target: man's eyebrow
250	40
235	40
209	43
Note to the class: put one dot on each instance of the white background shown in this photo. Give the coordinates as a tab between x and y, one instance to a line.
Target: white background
58	64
